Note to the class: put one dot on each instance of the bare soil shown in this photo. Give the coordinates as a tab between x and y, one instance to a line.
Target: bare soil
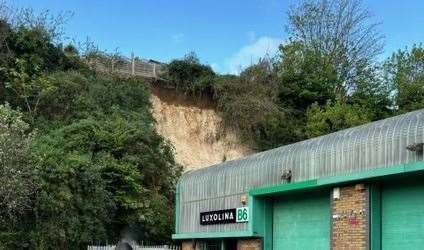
193	127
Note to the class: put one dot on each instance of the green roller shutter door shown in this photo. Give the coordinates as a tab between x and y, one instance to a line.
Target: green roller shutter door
402	214
302	222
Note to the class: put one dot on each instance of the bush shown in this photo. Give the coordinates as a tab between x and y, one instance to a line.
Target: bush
99	135
190	76
333	117
18	185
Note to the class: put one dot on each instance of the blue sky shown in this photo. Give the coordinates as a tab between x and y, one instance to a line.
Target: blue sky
228	34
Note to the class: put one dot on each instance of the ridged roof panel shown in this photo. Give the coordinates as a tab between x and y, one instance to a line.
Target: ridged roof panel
377	144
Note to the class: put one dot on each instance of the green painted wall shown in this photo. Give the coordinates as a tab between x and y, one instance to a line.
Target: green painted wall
302	221
375	216
261	219
177	207
402	214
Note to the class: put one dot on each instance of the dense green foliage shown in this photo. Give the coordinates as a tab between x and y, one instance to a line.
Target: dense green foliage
16	172
306	77
405	72
79	153
320	83
332	117
81	160
190	76
124	168
247	101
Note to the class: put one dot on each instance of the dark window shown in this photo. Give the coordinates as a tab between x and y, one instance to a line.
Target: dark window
230	244
213	245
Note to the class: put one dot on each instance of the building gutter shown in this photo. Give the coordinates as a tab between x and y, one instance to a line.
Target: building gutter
213	235
374	173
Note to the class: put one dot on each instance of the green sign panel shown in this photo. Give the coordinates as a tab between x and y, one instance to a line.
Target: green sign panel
242	214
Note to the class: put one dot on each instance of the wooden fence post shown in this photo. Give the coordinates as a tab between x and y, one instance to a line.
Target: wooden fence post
132	64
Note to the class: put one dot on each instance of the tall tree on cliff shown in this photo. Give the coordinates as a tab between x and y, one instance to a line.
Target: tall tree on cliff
404	71
343	30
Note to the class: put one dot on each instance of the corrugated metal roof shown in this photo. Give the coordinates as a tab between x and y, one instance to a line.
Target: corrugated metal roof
377	144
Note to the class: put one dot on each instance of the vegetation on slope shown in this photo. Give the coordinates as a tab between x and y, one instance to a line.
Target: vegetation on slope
325	78
80	158
81	161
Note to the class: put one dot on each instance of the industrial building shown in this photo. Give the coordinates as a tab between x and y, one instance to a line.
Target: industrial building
360	188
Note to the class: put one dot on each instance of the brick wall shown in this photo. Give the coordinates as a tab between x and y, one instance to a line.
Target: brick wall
249	244
350	218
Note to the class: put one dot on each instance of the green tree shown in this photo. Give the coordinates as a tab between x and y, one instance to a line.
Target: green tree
404	71
247	102
96	167
372	94
332	117
342	30
102	126
306	77
6	55
191	77
103	176
298	79
73	207
17	171
32	56
16	165
29	89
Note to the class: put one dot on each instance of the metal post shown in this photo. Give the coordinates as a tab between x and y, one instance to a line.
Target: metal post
132	64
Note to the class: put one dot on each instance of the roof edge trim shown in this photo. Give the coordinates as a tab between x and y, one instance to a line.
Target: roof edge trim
338	179
207	235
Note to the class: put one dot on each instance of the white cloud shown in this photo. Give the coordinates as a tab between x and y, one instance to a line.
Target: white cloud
251	53
216	67
177	38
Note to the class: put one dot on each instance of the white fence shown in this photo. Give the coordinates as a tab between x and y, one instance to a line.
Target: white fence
136	247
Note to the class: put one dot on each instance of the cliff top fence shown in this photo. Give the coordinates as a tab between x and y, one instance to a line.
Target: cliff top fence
126	66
